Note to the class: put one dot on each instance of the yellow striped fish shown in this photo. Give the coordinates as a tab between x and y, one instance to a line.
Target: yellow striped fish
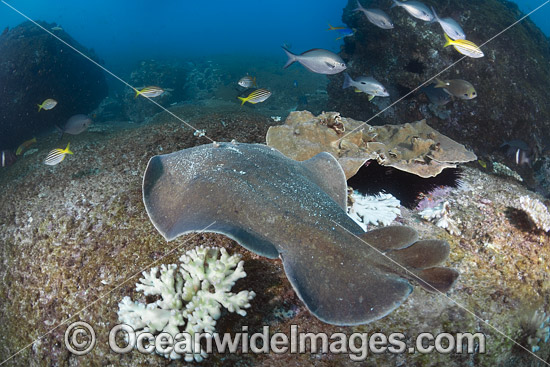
149	92
464	47
47	104
259	95
57	156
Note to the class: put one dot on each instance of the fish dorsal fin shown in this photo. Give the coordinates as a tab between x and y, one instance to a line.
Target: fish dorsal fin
325	171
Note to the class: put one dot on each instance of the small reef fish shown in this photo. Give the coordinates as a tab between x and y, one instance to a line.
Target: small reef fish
520	152
247	81
450	27
416	9
317	60
465	47
75	125
376	16
47	104
7	158
522	157
482	163
341	273
57	156
149	92
57	28
343	31
366	84
457	87
24	146
259	95
437	96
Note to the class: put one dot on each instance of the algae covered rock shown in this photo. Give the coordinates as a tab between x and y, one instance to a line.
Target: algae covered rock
511	80
35	66
413	147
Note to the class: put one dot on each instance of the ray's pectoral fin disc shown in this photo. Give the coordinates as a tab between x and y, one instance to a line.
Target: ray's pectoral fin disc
176	205
348	293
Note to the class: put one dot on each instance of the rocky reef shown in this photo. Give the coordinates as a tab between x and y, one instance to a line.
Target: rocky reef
75	237
35	66
511	80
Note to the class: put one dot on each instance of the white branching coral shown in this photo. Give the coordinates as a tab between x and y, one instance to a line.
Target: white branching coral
536	211
440	215
191	296
375	209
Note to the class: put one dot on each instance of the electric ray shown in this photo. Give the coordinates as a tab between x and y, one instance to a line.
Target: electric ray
278	207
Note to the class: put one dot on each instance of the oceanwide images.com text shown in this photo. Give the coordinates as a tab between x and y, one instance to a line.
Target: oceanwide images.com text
123	339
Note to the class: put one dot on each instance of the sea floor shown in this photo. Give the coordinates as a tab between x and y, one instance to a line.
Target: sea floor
75	237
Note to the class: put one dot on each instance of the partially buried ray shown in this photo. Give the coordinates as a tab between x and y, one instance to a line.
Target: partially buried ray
276	206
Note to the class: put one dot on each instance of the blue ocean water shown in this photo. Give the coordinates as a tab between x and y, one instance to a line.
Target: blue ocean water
122	31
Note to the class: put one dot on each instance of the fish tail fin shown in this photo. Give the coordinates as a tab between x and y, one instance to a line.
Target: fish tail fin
60	131
359	7
436	18
330	28
448	41
420	262
440	83
291	58
395	3
347	81
67	150
243	100
137	93
39	107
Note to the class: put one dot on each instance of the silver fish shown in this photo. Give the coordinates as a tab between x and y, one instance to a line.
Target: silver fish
317	60
450	26
366	84
76	124
247	81
296	211
376	16
416	9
